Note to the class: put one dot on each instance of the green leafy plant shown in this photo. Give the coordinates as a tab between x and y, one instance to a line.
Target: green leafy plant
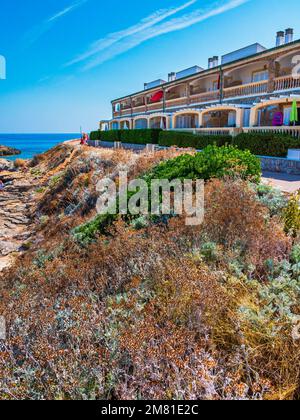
212	162
292	215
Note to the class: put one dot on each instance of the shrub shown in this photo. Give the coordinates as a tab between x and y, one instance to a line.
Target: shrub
272	198
266	144
212	162
95	135
19	163
292	215
87	232
147	136
196	141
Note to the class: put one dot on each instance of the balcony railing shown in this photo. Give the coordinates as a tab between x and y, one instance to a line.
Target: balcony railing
139	109
177	102
155	106
286	83
292	131
247	90
205	97
214	131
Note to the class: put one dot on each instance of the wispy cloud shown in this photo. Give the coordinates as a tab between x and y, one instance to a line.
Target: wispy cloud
116	37
47	24
121	42
67	10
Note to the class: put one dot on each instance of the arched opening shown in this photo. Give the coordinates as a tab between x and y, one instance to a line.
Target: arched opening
285	64
275	115
158	122
219	119
188	120
251	73
176	92
114	125
141	123
203	85
125	125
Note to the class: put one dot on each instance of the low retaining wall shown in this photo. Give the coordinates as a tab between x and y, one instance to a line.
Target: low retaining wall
281	165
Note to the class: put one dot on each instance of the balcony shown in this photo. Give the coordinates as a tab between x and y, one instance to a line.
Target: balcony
205	97
286	83
249	89
155	106
141	109
174	102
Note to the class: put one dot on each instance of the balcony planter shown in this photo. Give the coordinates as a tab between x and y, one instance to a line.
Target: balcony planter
294	154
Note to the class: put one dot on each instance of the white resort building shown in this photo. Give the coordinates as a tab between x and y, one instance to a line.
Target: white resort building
249	89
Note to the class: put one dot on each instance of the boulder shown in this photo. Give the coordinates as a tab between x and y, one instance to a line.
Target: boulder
6	165
8	151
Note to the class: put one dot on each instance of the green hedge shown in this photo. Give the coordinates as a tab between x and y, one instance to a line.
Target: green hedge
197	141
266	144
147	136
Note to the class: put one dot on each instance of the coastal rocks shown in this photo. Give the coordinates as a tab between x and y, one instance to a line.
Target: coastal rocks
15	211
8	151
6	165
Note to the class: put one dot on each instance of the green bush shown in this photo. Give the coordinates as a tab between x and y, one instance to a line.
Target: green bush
266	144
110	136
196	141
146	136
212	162
87	232
95	135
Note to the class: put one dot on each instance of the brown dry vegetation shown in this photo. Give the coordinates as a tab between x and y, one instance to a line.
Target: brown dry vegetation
164	312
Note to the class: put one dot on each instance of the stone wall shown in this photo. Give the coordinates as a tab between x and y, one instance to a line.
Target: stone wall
280	165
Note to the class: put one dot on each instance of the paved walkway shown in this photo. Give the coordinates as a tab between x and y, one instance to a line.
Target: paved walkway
285	182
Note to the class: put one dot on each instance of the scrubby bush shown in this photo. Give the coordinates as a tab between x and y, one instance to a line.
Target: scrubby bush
212	162
196	141
272	198
292	215
87	232
266	144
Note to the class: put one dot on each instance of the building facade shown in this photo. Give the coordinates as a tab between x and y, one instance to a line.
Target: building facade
250	89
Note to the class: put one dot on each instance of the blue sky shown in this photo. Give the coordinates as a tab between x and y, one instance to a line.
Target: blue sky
67	59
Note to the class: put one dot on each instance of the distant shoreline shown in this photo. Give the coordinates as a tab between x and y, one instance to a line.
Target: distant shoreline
34	144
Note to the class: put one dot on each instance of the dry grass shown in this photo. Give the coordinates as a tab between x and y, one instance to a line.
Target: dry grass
147	313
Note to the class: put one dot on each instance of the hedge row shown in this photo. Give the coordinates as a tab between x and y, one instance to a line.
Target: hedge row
147	136
265	144
196	141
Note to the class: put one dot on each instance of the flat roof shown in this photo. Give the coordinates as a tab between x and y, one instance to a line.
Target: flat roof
267	51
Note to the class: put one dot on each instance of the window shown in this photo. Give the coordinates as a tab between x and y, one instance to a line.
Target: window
260	76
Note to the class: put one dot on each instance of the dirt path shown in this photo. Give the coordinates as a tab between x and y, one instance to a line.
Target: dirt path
284	182
15	209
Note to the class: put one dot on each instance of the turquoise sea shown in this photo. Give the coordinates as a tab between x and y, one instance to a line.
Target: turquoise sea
33	144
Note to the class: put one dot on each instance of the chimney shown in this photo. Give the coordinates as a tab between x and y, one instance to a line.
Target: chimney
280	40
215	62
210	63
289	35
172	77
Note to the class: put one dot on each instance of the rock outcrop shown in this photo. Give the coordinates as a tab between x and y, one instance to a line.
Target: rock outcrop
8	151
6	165
15	206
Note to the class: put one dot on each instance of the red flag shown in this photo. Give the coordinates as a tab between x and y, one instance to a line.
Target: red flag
157	97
